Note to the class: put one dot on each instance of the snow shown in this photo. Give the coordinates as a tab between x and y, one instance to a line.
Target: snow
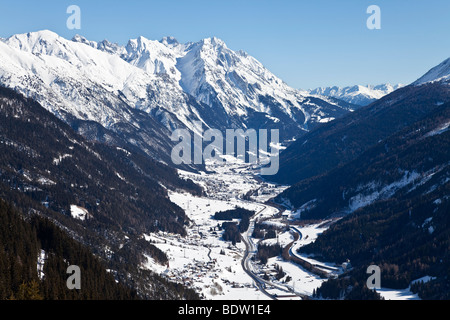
359	95
393	294
325	120
302	281
42	257
374	190
152	56
45	181
120	177
81	80
439	130
57	161
197	260
84	78
275	120
309	234
403	294
78	212
124	151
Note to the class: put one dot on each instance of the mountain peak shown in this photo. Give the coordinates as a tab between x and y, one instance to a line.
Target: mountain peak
80	39
214	42
34	36
43	34
141	44
37	42
176	83
155	57
169	41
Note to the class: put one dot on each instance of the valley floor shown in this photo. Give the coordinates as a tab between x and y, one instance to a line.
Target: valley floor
214	267
218	270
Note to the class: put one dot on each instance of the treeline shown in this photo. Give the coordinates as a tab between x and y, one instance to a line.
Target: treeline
435	289
21	242
345	289
231	232
238	213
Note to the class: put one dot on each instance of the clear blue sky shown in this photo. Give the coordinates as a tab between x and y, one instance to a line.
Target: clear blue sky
305	43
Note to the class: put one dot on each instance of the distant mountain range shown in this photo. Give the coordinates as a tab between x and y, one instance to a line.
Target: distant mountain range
359	95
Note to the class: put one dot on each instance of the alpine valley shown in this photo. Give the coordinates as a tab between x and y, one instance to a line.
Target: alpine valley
86	177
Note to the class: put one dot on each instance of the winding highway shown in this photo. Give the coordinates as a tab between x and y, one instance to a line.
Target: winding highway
250	252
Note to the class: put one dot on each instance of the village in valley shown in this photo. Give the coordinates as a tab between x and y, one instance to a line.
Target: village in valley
215	268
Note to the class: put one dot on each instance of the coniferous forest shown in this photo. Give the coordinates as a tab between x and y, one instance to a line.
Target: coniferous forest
21	241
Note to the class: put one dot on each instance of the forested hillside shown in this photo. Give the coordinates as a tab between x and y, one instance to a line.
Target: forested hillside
21	243
413	159
46	167
395	199
408	239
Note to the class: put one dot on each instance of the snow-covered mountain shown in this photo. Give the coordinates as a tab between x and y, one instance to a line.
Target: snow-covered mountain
359	95
236	87
148	88
440	73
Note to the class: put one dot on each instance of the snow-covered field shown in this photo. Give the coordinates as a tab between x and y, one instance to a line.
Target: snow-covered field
202	259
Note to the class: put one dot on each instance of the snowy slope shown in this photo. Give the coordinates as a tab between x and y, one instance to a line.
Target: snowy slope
211	70
240	86
64	76
86	82
152	56
440	73
359	95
